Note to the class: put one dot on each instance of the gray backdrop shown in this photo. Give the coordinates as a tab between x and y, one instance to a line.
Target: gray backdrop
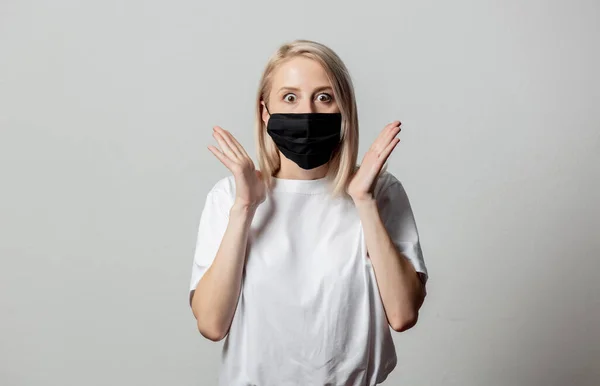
106	109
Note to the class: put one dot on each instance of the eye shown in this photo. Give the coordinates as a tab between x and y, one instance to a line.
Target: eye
289	97
324	97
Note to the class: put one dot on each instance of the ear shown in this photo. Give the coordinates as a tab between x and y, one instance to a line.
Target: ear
264	113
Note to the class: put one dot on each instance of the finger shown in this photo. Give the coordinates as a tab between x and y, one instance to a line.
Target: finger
225	148
222	157
386	135
236	143
389	134
391	126
228	139
240	147
388	150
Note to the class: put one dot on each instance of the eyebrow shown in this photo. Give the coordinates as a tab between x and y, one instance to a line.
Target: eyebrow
288	88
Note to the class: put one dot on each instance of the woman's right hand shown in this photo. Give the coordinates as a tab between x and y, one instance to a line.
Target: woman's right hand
249	185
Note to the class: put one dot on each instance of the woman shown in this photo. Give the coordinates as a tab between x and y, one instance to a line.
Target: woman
306	263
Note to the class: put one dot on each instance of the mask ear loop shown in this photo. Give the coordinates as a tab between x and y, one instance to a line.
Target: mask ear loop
267	108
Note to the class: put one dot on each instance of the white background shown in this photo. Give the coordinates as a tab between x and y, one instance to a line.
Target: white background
106	109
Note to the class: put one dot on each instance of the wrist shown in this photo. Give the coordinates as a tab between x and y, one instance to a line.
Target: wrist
366	199
365	203
240	208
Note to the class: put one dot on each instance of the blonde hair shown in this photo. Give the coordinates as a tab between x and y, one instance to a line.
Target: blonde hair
343	162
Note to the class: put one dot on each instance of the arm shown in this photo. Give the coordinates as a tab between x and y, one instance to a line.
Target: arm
215	299
401	289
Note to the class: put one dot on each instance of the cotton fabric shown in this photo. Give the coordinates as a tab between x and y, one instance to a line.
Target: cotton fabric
309	312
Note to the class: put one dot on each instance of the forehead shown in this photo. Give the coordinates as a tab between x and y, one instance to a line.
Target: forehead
300	72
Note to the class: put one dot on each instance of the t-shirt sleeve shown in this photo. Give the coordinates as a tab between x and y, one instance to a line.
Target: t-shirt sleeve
397	215
212	226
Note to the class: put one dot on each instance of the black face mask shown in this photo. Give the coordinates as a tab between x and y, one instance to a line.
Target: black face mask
308	139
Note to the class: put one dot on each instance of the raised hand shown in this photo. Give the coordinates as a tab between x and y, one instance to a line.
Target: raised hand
249	184
362	184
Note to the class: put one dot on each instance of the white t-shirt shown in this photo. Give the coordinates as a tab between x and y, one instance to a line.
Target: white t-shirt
309	311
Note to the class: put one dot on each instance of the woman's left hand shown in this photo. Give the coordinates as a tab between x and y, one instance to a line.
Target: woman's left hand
362	184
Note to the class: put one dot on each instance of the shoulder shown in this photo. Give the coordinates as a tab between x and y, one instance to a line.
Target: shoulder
223	190
225	184
385	181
